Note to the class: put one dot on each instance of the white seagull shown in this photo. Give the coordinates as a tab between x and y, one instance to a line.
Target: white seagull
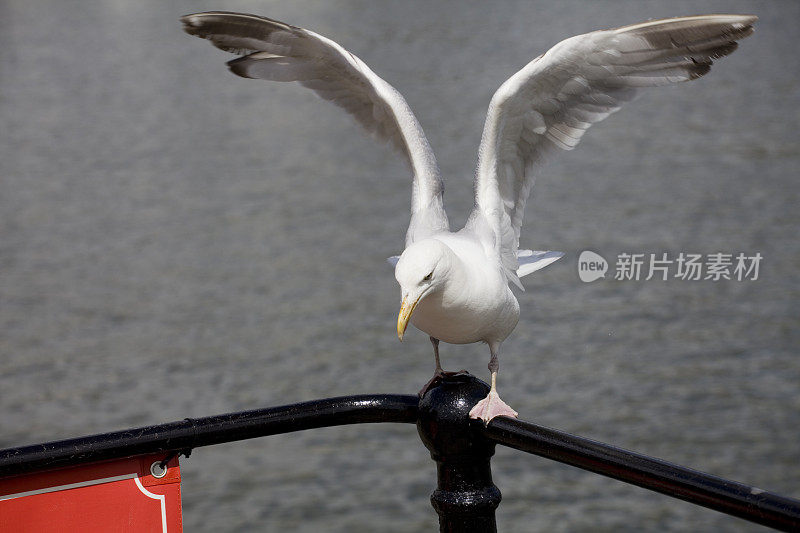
455	285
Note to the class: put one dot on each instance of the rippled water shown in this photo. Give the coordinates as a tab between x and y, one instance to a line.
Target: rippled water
176	241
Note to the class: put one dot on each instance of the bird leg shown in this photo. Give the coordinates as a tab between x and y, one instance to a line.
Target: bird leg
435	343
438	374
492	405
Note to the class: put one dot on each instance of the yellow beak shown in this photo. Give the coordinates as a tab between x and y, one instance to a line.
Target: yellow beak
404	316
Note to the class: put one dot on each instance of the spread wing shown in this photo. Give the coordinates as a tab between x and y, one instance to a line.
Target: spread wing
275	51
548	105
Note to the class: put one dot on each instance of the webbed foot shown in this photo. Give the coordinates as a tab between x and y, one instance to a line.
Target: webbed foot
490	407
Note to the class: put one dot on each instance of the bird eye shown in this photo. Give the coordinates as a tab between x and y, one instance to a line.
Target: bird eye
428	277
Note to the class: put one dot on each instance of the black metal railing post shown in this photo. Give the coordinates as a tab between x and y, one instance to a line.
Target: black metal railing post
466	497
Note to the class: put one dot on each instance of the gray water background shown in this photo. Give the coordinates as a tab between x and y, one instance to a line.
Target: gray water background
179	242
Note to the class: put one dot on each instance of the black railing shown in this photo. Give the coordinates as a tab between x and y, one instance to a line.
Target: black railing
193	433
466	497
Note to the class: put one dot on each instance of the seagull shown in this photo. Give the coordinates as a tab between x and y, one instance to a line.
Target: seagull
455	286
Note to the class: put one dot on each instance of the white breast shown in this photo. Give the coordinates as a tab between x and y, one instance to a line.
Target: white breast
474	305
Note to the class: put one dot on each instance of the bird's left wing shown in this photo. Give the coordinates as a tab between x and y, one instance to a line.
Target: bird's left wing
273	50
548	105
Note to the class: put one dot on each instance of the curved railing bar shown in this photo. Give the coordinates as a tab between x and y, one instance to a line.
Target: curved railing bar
196	432
730	497
455	443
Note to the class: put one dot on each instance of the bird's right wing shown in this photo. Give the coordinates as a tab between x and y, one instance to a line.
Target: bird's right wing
548	105
275	51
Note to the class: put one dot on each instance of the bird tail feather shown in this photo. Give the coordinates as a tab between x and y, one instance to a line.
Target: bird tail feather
533	260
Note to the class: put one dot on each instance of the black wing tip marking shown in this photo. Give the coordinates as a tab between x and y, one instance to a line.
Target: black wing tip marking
202	24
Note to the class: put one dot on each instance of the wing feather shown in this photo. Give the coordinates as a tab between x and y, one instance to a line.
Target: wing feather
275	51
549	105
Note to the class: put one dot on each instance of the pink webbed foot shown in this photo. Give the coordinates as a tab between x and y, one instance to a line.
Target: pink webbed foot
490	407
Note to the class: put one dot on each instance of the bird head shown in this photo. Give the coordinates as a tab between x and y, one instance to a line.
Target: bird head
420	271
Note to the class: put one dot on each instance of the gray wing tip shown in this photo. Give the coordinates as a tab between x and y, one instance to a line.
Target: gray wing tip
700	39
679	31
239	66
745	19
719	18
197	23
730	18
237	33
202	24
699	69
724	50
192	23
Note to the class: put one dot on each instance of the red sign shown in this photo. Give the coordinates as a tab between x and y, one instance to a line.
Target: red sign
124	495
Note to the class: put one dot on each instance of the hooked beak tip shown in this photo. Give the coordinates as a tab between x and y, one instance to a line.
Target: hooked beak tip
403	317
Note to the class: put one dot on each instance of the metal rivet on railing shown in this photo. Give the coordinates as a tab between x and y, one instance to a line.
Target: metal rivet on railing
158	469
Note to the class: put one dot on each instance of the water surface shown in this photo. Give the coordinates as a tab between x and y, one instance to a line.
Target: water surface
178	242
